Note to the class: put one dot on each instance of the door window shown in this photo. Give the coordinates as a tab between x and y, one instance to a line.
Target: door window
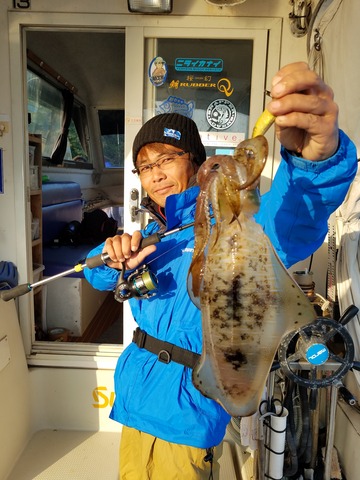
207	80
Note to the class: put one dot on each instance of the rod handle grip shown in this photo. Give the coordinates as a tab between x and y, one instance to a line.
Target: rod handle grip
97	260
347	396
15	292
101	258
150	240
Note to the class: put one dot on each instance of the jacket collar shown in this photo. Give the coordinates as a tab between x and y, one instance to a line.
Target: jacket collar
179	208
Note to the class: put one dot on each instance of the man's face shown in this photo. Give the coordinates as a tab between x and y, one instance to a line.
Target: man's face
164	180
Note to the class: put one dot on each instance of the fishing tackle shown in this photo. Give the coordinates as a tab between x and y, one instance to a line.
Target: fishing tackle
263	123
142	279
142	283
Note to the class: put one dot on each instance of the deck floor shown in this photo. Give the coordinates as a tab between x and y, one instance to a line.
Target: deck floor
75	455
69	455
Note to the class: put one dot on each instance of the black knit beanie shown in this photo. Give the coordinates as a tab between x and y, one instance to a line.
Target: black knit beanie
172	129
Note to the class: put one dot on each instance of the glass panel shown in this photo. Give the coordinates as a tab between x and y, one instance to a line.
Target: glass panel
112	137
206	80
45	108
45	104
77	136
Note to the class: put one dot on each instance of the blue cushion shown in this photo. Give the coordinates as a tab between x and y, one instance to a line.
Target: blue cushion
60	192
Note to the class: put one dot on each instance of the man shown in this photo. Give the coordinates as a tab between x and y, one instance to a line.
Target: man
170	429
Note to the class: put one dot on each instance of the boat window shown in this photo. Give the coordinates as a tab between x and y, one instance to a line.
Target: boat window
49	108
112	137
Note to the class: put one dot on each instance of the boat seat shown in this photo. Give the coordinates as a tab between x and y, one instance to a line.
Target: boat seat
61	204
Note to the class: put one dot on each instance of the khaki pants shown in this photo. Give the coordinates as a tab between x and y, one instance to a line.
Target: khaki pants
144	457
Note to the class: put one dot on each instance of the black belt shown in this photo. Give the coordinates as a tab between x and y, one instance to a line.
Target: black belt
165	351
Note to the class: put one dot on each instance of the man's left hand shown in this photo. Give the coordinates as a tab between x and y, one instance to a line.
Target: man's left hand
306	114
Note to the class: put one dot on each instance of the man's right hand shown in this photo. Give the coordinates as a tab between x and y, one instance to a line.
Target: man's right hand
125	248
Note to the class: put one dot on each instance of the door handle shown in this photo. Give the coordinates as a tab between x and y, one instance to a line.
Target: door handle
134	204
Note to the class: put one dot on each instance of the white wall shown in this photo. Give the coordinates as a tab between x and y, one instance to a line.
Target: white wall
15	406
7	205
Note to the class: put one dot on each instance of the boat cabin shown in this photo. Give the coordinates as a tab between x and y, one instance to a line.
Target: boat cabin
78	79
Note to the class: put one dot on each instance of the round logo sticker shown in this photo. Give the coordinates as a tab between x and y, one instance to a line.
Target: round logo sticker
221	114
317	354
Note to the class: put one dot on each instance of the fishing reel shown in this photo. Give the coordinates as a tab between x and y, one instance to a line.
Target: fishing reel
140	284
318	355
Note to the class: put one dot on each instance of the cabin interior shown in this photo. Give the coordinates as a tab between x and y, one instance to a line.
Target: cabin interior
61	195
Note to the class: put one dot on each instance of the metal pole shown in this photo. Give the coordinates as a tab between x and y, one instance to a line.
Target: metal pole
330	432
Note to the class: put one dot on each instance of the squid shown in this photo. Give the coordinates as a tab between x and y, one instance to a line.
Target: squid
247	298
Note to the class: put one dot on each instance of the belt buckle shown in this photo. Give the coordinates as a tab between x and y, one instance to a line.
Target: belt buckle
164	356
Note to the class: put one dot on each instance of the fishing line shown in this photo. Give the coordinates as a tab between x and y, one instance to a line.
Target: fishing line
167	251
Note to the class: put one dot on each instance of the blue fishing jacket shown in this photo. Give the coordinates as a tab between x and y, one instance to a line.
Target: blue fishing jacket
159	398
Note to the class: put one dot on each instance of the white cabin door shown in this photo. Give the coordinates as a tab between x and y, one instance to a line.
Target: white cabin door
216	76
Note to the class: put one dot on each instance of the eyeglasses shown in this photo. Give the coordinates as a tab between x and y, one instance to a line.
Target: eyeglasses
164	162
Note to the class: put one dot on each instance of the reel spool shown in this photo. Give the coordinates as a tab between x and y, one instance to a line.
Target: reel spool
323	346
140	284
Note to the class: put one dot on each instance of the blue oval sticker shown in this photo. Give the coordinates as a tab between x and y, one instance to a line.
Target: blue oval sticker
317	354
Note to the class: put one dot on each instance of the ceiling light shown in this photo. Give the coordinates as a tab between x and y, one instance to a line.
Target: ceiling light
225	3
150	6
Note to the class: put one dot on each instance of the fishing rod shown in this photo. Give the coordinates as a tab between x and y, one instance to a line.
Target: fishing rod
90	263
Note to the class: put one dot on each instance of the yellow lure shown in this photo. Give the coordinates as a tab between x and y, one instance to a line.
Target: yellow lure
263	123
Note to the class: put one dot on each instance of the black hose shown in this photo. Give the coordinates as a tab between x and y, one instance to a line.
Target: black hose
291	462
304	451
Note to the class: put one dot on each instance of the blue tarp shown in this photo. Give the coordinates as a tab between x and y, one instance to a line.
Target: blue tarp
8	275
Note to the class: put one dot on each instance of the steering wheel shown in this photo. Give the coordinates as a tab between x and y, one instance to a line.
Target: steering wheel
318	354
